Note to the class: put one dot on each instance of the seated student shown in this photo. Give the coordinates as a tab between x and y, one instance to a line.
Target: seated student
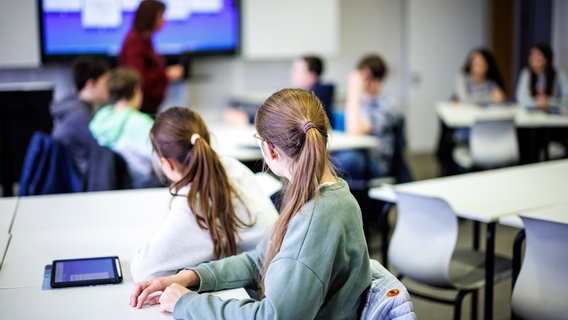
71	115
480	81
305	73
540	84
368	111
121	127
315	264
218	208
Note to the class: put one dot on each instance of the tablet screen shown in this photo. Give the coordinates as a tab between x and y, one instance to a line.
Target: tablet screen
87	271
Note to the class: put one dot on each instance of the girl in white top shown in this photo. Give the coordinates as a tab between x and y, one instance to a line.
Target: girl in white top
218	209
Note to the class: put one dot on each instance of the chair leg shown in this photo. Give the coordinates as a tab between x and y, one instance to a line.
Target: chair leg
474	300
458	303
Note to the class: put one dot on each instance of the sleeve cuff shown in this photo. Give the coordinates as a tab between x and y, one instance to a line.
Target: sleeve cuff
207	281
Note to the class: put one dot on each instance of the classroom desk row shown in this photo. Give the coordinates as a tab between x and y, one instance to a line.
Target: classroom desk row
489	196
46	228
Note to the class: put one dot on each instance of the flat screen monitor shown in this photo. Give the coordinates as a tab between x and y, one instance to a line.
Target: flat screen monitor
69	28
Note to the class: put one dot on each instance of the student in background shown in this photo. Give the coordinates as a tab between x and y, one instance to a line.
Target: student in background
71	116
315	263
480	81
218	208
368	111
540	84
305	73
138	52
121	127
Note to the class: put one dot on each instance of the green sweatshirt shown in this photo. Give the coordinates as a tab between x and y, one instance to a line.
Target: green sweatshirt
320	272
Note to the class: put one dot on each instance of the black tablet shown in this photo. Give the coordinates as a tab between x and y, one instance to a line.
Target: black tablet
85	272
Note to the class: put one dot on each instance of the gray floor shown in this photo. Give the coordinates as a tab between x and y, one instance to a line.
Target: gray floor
424	166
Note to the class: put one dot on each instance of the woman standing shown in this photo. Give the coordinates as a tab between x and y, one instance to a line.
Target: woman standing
138	53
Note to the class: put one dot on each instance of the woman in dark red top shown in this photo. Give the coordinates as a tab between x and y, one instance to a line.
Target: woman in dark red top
138	53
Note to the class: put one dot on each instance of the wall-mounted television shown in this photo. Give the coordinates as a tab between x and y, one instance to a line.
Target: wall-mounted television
69	28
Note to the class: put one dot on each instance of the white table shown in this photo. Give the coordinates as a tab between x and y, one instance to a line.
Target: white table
140	207
489	195
238	141
7	211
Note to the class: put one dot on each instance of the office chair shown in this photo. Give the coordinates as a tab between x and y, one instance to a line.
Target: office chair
542	284
492	143
423	248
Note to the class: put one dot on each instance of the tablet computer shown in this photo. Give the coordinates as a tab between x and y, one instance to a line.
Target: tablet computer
85	272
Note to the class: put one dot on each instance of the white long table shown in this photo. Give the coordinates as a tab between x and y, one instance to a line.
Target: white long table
7	210
489	195
238	141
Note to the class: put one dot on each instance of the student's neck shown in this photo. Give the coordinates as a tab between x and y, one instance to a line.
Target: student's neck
123	105
327	176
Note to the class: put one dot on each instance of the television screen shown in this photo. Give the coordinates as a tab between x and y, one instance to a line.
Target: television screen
69	28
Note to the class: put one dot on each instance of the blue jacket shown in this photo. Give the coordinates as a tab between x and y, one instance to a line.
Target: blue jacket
48	168
387	297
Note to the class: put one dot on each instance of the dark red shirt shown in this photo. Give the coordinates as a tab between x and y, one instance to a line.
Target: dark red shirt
138	53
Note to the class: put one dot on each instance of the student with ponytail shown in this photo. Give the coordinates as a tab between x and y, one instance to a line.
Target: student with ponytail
314	264
217	210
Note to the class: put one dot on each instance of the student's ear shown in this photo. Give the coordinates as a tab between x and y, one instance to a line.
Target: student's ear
167	163
272	153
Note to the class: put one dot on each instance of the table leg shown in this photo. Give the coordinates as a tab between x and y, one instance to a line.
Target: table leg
385	229
489	270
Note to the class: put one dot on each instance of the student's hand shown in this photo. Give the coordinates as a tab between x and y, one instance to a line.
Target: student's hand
171	296
497	96
356	82
541	101
175	72
144	289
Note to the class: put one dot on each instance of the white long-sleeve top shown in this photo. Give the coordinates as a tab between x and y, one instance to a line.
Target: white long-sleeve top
180	243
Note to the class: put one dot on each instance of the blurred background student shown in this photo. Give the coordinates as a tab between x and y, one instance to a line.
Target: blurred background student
218	208
121	127
540	84
138	53
71	115
480	81
368	111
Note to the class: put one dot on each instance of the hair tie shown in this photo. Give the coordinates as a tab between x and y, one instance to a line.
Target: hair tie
307	126
194	138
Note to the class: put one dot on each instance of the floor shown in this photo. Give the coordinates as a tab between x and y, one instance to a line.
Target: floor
424	166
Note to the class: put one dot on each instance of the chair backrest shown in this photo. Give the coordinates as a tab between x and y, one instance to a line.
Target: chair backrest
48	168
399	168
542	284
494	142
424	238
387	298
107	171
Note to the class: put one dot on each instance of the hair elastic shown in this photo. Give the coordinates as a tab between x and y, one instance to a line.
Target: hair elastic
307	126
194	138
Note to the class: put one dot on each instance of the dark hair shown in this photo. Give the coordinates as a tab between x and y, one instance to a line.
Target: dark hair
493	72
147	15
549	70
375	64
281	121
315	64
85	68
122	82
211	193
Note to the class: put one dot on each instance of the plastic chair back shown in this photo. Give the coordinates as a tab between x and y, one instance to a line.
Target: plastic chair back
494	143
542	286
424	239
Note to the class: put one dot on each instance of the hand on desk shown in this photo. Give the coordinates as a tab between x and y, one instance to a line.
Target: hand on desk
171	295
142	290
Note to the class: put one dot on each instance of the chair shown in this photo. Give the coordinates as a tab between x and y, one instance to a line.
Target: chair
48	168
107	170
423	248
492	143
542	285
387	298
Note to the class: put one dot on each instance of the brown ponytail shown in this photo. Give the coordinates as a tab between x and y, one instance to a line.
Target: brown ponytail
210	195
282	120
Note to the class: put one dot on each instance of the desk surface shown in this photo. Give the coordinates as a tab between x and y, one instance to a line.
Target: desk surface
488	195
139	207
238	141
555	213
7	210
464	115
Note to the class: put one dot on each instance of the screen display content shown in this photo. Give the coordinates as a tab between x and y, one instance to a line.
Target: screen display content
88	271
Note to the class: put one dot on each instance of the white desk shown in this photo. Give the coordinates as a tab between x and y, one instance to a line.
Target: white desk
140	207
238	141
464	115
489	195
7	210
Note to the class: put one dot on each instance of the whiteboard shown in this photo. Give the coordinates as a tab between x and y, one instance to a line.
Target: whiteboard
19	39
286	29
